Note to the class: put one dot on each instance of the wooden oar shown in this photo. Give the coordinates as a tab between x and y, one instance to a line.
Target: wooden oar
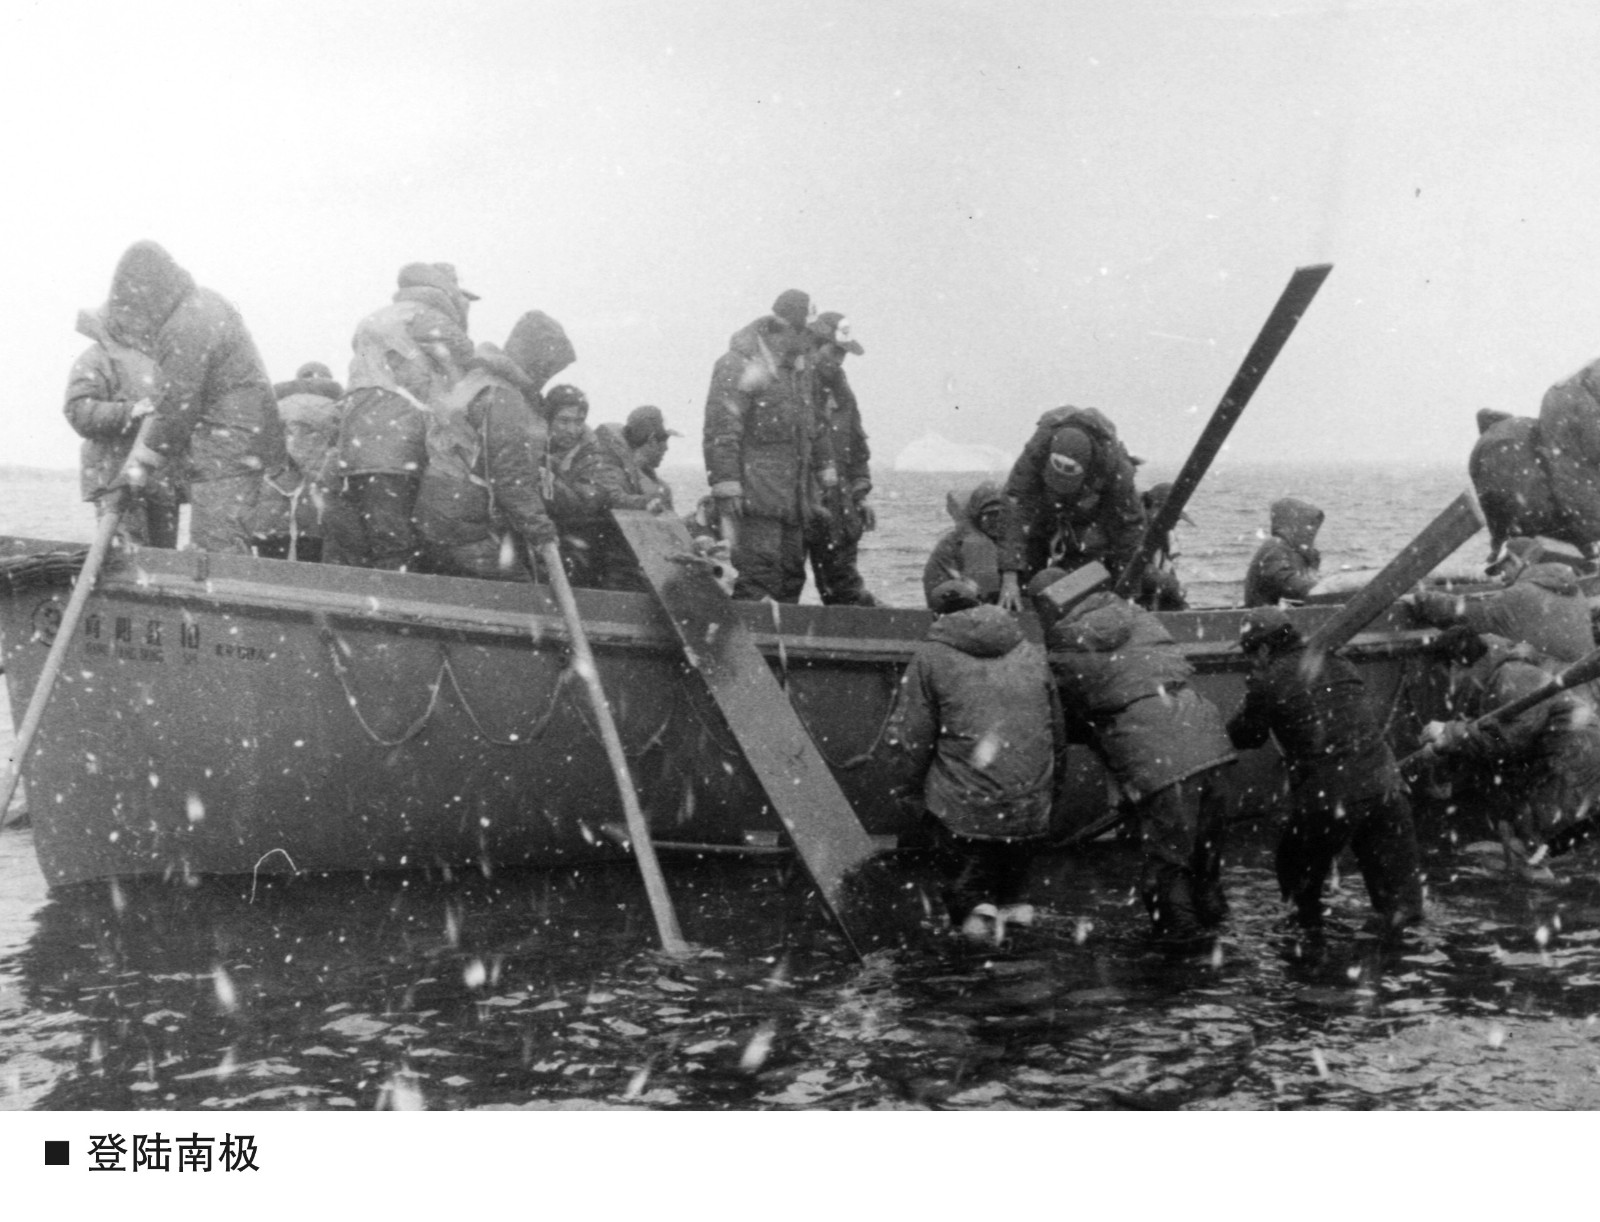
1280	324
1584	670
105	531
1456	523
638	830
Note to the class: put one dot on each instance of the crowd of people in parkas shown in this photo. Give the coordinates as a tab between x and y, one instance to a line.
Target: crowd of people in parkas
442	455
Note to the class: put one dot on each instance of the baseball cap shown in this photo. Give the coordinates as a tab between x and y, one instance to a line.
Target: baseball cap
433	276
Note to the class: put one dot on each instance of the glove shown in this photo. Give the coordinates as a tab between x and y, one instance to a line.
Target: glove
141	409
730	506
141	464
656	505
1445	736
869	515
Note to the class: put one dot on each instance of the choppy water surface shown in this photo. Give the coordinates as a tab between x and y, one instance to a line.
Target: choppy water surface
540	989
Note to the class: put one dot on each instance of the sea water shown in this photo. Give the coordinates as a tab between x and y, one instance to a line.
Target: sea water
540	989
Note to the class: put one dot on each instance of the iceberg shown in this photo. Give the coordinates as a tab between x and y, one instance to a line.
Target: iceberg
936	453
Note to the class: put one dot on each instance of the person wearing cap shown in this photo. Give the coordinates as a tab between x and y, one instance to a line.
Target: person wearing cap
288	519
1542	604
617	470
575	500
1074	500
970	551
1287	565
973	741
763	449
214	419
112	388
1160	588
1126	688
843	512
480	510
1344	785
404	357
1535	774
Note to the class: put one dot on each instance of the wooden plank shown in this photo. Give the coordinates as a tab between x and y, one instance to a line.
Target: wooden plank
827	835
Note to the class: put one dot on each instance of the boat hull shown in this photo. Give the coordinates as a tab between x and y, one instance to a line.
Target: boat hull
226	715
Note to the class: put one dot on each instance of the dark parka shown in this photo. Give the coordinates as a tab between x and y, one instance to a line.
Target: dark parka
605	475
106	381
762	439
1103	521
965	553
976	725
216	409
1544	607
292	501
1286	565
483	471
1123	678
1544	764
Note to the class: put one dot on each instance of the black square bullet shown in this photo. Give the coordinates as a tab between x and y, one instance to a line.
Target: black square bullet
55	1154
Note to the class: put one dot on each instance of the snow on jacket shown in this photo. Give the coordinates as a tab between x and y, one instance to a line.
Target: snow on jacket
839	416
975	727
762	440
965	553
1123	679
482	475
1286	565
1544	607
1325	727
1508	471
107	379
1103	521
216	408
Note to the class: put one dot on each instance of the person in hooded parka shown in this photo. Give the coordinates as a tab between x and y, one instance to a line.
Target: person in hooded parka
1509	474
1541	604
970	550
480	512
287	524
1534	775
1127	690
404	356
112	388
974	737
1288	564
1344	785
765	451
1569	438
215	419
1075	501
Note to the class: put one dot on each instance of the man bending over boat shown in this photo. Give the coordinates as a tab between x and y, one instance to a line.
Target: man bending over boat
1542	604
215	416
111	391
1125	688
1344	785
479	508
1074	501
1535	775
975	732
1286	568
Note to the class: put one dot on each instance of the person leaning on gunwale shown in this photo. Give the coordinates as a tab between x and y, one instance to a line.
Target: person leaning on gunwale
1286	566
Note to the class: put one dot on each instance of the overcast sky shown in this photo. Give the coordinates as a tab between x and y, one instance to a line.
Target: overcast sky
1018	205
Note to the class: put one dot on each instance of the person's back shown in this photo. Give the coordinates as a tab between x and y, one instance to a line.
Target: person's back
1287	565
1542	605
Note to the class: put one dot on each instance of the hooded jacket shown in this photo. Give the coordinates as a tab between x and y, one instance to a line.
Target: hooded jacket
762	440
1287	564
107	379
975	728
484	445
1544	607
965	552
1326	730
216	405
1124	680
1102	521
